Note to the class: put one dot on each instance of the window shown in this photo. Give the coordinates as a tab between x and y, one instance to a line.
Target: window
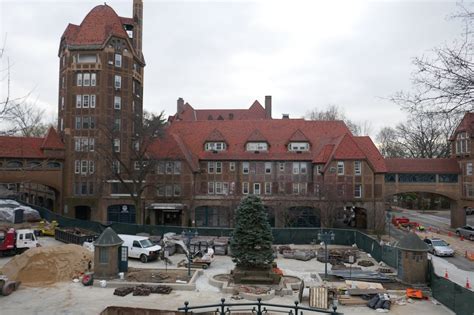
116	167
469	169
160	190
86	58
117	102
215	146
358	191
211	167
62	102
79	79
268	188
85	101
281	166
169	167
169	190
210	188
84	167
319	168
340	168
117	123
268	167
256	188
86	79
303	188
257	146
177	190
298	146
468	190
218	186
357	167
245	167
78	101
118	82
93	79
296	167
92	99
61	125
462	143
91	167
118	60
218	167
62	82
232	166
136	165
86	122
161	167
303	168
78	122
116	145
77	167
177	167
295	188
245	188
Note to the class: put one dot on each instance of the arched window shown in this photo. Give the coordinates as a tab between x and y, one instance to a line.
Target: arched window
54	165
14	164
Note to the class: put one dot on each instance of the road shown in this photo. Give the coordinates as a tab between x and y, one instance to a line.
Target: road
441	220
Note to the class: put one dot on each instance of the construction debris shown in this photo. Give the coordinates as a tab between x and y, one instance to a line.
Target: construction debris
142	290
380	301
299	254
123	291
361	275
337	255
365	263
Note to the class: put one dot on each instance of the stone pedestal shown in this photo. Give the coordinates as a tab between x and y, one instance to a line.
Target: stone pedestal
243	275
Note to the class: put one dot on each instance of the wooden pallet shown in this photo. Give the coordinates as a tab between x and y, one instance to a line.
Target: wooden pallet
318	297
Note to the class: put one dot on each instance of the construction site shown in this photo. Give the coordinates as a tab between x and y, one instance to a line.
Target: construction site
79	271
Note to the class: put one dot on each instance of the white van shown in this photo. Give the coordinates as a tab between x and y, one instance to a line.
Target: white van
140	247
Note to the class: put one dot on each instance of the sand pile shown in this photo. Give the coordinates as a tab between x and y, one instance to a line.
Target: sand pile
47	265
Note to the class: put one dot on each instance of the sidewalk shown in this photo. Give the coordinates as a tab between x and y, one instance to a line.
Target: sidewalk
455	274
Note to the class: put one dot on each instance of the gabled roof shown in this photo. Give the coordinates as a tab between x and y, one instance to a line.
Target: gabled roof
466	124
256	136
215	135
21	147
347	148
52	141
298	135
412	242
324	154
373	155
430	166
98	25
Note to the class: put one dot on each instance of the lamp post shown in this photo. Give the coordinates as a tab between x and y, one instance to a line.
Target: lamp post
189	235
326	237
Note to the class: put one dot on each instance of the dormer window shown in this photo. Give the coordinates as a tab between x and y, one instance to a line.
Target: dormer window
257	146
462	143
298	146
215	146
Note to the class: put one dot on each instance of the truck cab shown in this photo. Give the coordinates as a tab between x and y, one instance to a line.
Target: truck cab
16	241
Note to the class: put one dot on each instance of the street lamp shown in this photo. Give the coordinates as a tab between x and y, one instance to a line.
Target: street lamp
326	237
188	235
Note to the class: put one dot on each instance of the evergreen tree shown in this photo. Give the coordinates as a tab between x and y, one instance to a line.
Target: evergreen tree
252	239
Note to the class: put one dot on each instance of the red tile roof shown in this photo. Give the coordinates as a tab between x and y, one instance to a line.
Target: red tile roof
256	135
254	112
21	147
52	141
373	154
99	24
438	166
298	135
466	124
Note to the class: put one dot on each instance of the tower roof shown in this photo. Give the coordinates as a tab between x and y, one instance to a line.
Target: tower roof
108	238
412	242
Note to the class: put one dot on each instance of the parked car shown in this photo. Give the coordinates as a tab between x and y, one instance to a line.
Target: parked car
469	210
438	247
467	231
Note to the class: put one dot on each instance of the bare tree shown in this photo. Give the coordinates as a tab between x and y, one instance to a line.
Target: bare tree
26	119
389	144
443	82
334	112
132	170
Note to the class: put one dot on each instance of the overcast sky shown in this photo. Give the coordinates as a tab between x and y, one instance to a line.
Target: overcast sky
226	54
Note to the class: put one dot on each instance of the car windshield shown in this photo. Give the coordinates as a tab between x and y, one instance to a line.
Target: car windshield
146	243
439	243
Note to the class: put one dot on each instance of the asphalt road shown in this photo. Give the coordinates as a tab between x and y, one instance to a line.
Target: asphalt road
434	220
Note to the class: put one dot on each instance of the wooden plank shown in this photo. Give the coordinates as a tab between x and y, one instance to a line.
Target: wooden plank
365	291
350	300
364	285
318	297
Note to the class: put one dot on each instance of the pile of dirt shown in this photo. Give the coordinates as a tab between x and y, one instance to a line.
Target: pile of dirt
47	265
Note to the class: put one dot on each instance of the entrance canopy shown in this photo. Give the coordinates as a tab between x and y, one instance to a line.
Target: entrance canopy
166	207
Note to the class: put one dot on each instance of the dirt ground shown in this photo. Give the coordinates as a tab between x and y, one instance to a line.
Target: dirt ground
156	275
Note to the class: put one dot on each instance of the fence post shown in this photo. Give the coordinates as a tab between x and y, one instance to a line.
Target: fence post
296	307
222	306
186	303
259	306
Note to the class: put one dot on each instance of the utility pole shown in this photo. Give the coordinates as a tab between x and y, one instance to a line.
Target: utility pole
326	237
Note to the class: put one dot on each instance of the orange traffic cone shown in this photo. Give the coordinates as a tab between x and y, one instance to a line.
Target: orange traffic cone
462	238
446	274
468	285
450	234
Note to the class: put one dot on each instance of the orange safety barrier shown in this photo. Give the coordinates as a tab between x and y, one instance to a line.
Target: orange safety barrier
413	293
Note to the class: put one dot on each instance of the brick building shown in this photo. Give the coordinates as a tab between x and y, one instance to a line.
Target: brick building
308	173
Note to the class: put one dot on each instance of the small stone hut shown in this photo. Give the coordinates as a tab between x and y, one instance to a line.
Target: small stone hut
412	259
106	254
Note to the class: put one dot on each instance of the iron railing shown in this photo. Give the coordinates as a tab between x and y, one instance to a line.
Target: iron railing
256	308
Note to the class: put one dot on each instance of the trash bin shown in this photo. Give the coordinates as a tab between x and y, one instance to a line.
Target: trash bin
18	216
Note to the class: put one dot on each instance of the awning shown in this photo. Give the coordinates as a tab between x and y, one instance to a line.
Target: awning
167	207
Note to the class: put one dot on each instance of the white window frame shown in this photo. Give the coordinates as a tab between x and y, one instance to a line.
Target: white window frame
84	167
340	167
86	79
296	168
298	146
218	188
281	166
78	122
118	60
245	167
93	79
117	145
215	146
218	167
268	167
210	188
116	166
257	188
77	167
77	144
85	101
268	188
211	167
357	191
232	166
245	188
92	100
296	189
319	168
117	102
177	167
79	79
357	167
257	146
469	169
91	166
303	168
79	101
118	82
177	190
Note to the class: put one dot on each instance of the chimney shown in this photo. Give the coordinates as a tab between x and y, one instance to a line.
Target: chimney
268	107
138	27
285	116
180	105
